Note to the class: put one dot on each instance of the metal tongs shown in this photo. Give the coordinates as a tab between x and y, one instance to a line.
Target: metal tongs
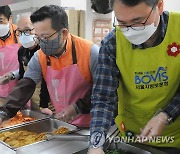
67	137
108	141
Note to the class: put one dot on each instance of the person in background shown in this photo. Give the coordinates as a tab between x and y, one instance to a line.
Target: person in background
25	32
8	50
102	6
138	68
66	62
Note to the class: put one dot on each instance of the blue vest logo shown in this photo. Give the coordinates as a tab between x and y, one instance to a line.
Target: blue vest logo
151	76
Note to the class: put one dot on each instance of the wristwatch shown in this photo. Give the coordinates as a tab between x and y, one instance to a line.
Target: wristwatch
3	115
97	140
170	119
13	76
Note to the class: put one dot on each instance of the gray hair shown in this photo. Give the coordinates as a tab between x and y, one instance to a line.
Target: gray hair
23	15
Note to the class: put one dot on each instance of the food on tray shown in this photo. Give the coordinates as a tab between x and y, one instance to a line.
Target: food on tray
18	119
21	138
61	130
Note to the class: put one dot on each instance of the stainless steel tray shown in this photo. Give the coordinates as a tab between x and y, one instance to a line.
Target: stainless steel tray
128	148
34	114
121	146
31	113
45	125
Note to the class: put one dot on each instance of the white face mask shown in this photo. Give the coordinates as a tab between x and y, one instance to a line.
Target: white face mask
4	29
139	36
27	41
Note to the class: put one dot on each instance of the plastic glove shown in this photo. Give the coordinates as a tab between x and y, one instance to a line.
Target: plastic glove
95	151
67	114
4	124
155	126
5	78
1	121
46	111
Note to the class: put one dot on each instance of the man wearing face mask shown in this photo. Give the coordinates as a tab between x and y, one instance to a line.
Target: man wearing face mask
8	50
67	64
140	61
25	32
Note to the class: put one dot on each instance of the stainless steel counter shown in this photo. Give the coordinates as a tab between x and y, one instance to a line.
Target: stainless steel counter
48	147
54	147
6	150
68	147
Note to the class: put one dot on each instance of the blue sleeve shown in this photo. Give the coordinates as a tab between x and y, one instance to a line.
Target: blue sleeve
104	93
94	58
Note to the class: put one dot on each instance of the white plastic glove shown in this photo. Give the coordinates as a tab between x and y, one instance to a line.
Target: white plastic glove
1	121
155	126
4	124
95	151
67	114
5	78
46	111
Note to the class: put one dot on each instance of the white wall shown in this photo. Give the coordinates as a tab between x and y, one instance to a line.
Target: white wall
33	3
21	5
40	3
90	16
7	2
77	4
172	5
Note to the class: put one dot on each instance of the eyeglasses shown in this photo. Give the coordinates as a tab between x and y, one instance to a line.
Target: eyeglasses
3	20
137	27
45	39
26	32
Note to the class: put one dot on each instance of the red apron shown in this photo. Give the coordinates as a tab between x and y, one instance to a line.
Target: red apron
66	86
8	63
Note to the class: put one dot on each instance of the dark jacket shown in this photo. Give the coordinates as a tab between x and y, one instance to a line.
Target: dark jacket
24	56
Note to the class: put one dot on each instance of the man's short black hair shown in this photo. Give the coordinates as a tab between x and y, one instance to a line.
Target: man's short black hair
6	11
102	6
136	2
57	14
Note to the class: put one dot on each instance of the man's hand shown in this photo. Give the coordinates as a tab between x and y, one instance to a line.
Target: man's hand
95	151
155	126
67	114
5	78
46	111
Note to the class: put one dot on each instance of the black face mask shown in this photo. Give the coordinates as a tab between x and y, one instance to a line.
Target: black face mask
102	6
51	46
